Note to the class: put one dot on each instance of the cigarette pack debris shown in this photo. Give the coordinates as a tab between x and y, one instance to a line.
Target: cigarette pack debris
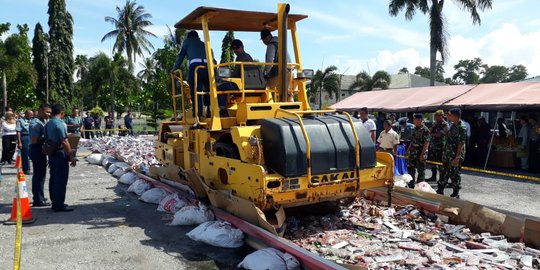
363	234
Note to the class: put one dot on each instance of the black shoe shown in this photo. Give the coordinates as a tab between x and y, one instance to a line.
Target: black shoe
455	194
41	204
412	184
63	209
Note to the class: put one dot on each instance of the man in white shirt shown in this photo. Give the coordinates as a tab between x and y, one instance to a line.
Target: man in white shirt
388	139
368	123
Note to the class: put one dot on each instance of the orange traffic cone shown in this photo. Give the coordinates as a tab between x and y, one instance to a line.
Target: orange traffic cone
26	213
18	161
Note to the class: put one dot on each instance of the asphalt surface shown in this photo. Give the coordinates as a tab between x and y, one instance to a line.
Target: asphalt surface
109	229
501	193
112	229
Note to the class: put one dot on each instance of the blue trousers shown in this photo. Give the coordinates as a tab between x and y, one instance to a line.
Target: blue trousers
25	141
59	167
39	161
203	84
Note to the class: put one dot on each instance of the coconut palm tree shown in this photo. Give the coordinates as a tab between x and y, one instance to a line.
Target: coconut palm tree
81	66
327	80
148	71
129	33
364	82
437	23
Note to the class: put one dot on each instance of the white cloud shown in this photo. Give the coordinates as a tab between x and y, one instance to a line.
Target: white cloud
159	30
506	46
386	60
372	26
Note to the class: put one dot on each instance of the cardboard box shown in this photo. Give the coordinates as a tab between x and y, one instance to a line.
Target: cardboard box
73	140
531	234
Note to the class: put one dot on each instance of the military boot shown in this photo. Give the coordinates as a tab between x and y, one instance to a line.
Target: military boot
433	177
440	189
455	194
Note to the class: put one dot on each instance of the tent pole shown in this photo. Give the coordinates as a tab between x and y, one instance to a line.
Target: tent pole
514	124
491	141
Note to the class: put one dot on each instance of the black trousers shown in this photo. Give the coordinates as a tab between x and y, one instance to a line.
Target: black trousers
534	156
9	144
39	160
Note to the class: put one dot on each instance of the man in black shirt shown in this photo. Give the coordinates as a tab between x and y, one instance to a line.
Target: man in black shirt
88	123
109	124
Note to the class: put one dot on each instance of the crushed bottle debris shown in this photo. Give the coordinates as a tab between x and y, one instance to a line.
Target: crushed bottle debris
404	237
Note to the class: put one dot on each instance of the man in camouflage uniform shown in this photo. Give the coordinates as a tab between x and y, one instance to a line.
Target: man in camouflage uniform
417	151
454	153
438	132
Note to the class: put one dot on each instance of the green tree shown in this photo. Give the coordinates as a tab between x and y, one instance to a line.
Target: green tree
426	73
437	22
327	81
364	82
403	70
227	55
98	80
61	52
450	81
148	71
81	72
516	73
4	27
467	71
494	74
129	32
40	51
17	69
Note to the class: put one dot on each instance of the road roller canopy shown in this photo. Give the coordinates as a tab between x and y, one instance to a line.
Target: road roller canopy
233	20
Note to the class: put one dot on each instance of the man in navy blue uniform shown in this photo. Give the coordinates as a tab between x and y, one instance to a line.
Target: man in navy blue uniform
59	161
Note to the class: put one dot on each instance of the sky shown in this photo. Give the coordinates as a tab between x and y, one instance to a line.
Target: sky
355	36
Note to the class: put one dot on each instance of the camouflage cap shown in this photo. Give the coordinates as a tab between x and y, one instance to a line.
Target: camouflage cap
439	113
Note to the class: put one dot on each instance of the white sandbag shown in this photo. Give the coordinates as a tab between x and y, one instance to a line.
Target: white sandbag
122	165
119	172
171	203
269	258
95	159
402	180
128	178
154	195
192	215
107	161
218	233
112	168
424	186
139	187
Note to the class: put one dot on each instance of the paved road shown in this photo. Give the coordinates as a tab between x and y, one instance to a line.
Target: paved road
109	229
507	194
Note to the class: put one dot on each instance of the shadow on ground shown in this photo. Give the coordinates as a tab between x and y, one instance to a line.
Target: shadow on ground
125	210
